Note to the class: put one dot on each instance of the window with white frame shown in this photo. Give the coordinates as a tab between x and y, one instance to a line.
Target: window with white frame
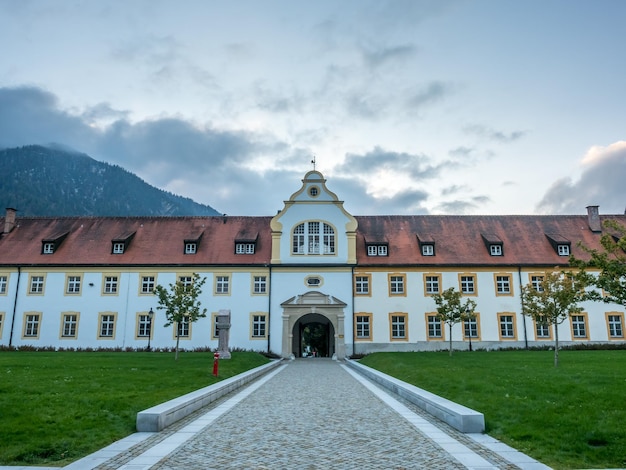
31	325
616	328
363	326
563	250
107	325
182	327
110	284
435	330
118	248
428	250
542	328
313	238
431	284
503	284
147	284
244	248
4	280
186	281
73	285
468	284
396	285
470	327
70	325
495	250
260	284
507	326
377	250
222	284
361	285
36	285
398	326
48	248
579	326
258	326
536	283
144	325
191	248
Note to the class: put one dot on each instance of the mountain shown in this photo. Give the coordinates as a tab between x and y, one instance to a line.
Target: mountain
43	181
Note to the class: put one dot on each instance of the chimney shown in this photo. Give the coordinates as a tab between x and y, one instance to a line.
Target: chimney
593	218
9	220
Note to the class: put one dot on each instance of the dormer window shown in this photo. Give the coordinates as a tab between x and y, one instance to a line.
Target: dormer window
191	248
120	245
428	249
563	250
426	243
377	250
48	248
118	248
244	248
51	244
495	250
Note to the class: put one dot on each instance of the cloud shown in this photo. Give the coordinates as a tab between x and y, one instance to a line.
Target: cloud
387	55
464	206
433	92
601	183
495	135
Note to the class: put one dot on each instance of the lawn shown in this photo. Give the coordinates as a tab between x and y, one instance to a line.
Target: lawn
572	416
56	407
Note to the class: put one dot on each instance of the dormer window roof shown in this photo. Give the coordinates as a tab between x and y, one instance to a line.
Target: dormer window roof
120	244
377	246
51	244
191	244
560	244
245	243
426	244
493	243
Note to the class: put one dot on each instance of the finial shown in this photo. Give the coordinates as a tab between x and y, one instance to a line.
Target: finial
313	162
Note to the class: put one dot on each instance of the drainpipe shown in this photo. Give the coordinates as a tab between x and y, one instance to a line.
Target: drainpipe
353	325
269	309
521	299
17	290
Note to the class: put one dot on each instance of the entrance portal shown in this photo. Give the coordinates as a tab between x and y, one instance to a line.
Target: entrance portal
313	336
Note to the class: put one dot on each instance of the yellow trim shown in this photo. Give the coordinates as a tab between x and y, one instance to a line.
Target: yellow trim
102	314
406	326
213	322
62	326
30	283
430	274
495	285
137	323
370	323
258	314
175	331
369	284
81	281
39	316
267	283
475	283
229	277
586	322
478	333
104	281
8	277
550	336
1	322
140	279
508	314
404	285
442	326
608	329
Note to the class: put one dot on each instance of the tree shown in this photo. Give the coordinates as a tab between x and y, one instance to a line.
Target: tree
181	303
451	310
611	263
554	300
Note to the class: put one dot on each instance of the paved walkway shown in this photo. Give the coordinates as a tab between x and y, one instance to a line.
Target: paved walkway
308	414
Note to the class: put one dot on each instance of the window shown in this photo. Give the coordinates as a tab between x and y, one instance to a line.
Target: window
428	250
434	327
396	284
579	326
144	325
398	323
110	285
542	329
107	325
313	281
183	328
313	191
432	284
468	284
563	250
221	284
495	250
4	280
191	248
507	325
536	283
31	325
363	323
470	327
313	238
36	285
615	323
70	325
48	248
186	281
73	285
259	284
147	284
503	284
244	248
258	325
377	250
362	285
1	320
118	248
214	332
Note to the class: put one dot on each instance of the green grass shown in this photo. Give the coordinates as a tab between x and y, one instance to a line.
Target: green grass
56	407
573	416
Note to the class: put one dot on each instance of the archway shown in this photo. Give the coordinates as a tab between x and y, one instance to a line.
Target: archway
313	336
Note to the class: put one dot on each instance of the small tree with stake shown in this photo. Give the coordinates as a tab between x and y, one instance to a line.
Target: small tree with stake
451	310
554	300
181	303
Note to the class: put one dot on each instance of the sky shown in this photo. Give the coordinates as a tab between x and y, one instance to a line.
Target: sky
456	107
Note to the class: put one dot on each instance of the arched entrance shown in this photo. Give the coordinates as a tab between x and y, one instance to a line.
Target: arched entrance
316	318
313	336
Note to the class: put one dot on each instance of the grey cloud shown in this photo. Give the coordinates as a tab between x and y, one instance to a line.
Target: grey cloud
461	207
461	152
453	189
432	93
383	56
103	111
417	166
602	183
495	135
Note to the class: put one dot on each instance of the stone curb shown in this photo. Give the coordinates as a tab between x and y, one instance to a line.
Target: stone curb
458	416
158	417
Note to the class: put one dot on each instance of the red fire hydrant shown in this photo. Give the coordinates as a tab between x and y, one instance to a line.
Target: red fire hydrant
216	362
